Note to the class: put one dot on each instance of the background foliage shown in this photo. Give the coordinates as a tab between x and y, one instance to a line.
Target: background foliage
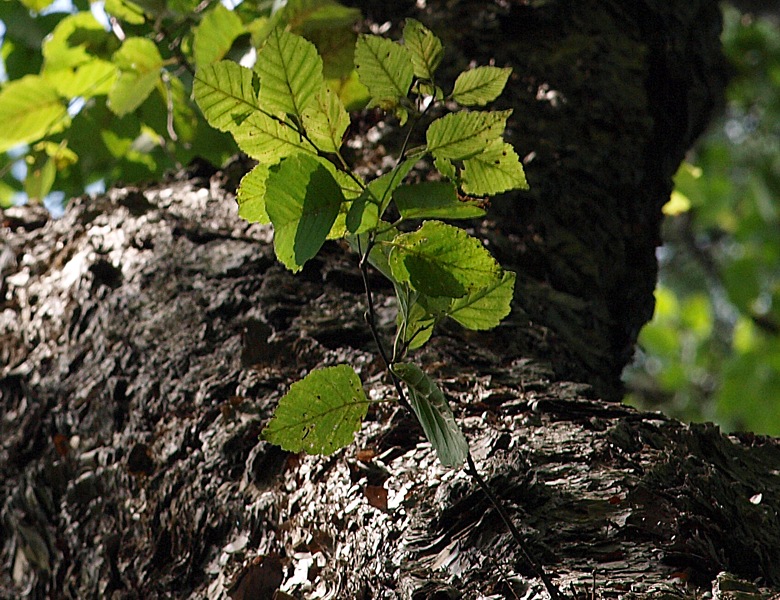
712	351
101	92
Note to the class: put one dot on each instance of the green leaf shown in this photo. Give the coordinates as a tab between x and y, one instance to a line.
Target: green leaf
76	40
366	210
434	200
30	108
36	5
458	136
305	200
426	49
139	63
496	170
215	34
251	195
480	85
385	68
321	412
290	73
485	308
446	168
41	172
225	92
326	121
353	94
312	15
126	11
268	140
89	79
435	415
442	260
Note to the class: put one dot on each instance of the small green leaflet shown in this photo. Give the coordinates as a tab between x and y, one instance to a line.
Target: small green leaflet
326	121
268	139
321	412
480	85
290	73
485	308
434	199
385	68
215	34
251	195
435	415
304	202
496	170
442	260
458	136
426	49
225	92
29	109
139	63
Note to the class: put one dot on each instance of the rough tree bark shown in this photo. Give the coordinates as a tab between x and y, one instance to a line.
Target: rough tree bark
146	336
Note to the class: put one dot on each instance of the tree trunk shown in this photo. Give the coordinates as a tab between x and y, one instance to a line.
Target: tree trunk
147	335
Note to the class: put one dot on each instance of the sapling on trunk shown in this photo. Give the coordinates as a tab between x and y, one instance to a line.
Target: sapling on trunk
287	116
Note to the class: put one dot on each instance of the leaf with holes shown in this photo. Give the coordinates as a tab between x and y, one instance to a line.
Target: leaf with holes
435	415
497	169
321	412
458	136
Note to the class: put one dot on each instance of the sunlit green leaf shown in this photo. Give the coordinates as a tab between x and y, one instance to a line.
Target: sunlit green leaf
269	139
29	109
385	68
251	195
126	11
426	49
458	136
326	121
225	92
435	415
139	63
434	200
485	308
480	85
442	260
93	78
497	169
290	73
215	34
321	412
353	94
77	39
36	5
303	200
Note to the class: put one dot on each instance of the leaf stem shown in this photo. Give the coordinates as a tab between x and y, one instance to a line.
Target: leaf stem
538	569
